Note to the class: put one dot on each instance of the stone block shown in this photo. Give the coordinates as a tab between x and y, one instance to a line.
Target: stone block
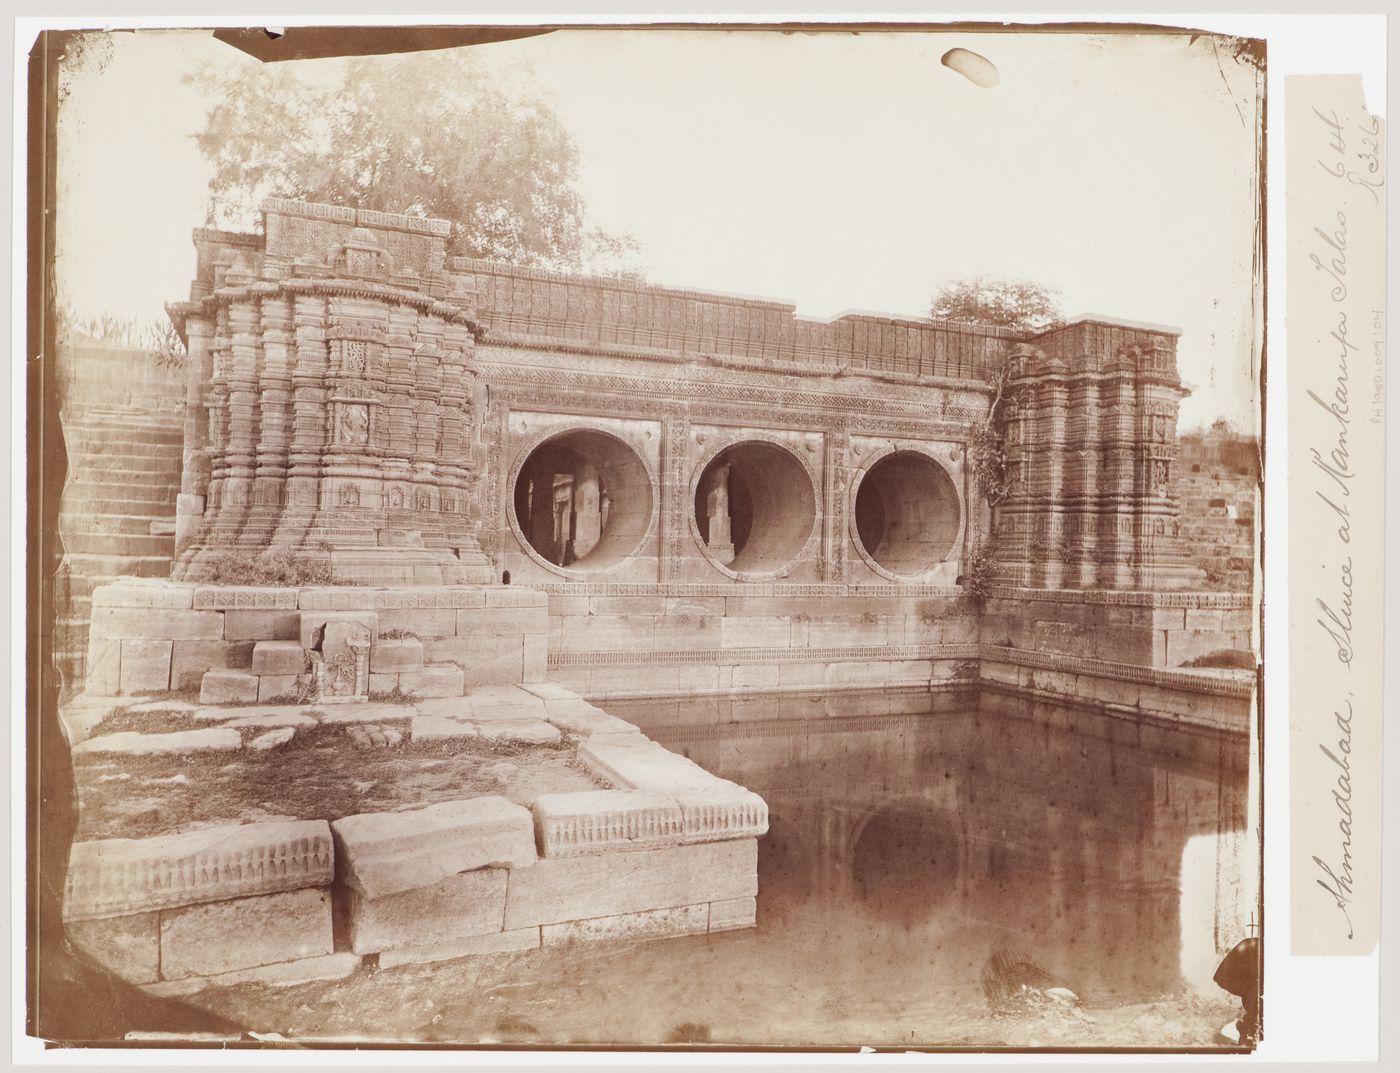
131	743
723	811
442	680
756	631
104	664
122	876
534	657
145	666
277	686
508	596
245	598
495	943
611	884
484	659
424	623
365	712
280	974
548	691
157	623
594	821
636	762
733	913
272	739
441	728
278	658
583	720
204	940
269	625
190	659
532	731
313	624
450	707
128	947
567	605
386	853
608	634
648	924
505	702
271	720
228	687
455	907
383	683
398	654
144	592
753	676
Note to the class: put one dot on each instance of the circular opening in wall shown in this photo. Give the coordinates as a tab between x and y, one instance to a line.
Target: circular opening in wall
754	508
907	514
583	500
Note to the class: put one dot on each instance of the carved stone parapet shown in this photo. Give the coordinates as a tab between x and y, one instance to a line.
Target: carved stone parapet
118	877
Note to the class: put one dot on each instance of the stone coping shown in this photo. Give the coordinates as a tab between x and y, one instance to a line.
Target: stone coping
121	876
1210	681
1173	600
202	596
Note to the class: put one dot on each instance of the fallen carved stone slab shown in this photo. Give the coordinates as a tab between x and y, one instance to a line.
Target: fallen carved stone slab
390	852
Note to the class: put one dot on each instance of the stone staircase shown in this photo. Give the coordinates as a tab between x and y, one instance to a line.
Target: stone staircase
117	517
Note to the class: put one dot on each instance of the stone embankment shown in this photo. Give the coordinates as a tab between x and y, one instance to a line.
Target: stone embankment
665	849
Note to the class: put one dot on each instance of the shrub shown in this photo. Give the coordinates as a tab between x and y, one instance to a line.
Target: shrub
277	566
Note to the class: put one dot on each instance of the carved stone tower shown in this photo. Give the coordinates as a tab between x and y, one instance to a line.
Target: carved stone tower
331	402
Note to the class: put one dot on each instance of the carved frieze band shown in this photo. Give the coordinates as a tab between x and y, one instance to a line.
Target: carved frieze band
123	876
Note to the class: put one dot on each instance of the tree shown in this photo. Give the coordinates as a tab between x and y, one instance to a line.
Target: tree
1000	303
431	134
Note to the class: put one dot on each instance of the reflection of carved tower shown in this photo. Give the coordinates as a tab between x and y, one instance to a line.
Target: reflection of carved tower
721	540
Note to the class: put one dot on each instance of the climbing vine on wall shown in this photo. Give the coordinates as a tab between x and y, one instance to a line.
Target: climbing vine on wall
989	443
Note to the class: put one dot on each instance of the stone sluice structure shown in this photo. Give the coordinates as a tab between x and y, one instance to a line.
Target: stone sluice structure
521	496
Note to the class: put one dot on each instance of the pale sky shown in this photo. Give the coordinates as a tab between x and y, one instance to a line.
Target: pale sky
836	171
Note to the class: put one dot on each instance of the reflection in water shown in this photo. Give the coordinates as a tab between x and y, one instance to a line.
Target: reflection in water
936	838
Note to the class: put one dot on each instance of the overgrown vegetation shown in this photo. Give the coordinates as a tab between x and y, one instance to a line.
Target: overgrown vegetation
979	574
997	303
319	774
277	566
1230	659
442	134
988	443
156	337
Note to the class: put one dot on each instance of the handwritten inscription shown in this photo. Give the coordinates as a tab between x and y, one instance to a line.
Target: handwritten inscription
1350	157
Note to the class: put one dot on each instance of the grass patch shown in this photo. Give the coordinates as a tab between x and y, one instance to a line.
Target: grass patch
1231	659
319	774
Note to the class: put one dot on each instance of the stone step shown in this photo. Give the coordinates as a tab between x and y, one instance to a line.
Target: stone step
168	437
80	503
162	473
93	564
87	522
133	544
89	487
128	455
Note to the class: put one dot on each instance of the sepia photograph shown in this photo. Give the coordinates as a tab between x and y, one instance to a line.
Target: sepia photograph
667	538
